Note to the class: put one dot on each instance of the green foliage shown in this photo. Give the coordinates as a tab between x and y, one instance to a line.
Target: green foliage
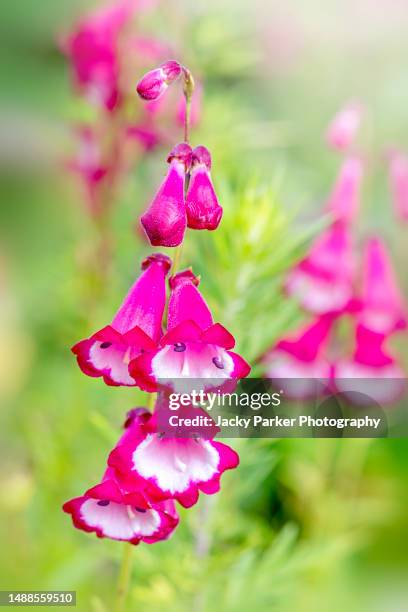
301	525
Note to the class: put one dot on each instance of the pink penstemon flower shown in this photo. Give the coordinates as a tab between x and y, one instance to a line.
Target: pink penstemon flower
203	210
398	177
382	308
342	130
323	281
166	467
172	209
300	362
343	201
165	220
194	347
150	469
371	374
135	328
92	49
110	511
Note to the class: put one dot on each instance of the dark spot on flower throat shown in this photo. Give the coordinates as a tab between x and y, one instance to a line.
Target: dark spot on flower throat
142	510
218	363
105	345
179	347
104	502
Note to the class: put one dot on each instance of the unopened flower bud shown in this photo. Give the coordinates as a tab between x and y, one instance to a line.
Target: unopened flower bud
155	83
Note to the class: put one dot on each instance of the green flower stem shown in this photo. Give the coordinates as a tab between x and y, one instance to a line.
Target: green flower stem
124	578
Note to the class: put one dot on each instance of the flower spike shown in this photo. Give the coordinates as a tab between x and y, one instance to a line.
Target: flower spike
135	328
165	220
203	210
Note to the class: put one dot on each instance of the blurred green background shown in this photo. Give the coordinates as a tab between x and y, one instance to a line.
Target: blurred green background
302	524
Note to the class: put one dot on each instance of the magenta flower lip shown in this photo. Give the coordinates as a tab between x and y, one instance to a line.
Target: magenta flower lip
112	512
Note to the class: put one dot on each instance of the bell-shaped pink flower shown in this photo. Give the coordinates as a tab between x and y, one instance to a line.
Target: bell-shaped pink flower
203	210
165	219
342	130
154	83
323	281
344	200
136	327
382	307
165	467
371	375
194	347
398	173
299	363
110	511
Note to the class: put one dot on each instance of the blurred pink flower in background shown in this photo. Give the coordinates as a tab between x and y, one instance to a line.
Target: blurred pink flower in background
371	373
398	174
302	356
93	50
344	200
342	131
323	281
382	307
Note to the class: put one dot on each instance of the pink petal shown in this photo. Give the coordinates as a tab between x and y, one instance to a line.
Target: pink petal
383	310
343	129
203	210
398	172
165	220
343	202
186	302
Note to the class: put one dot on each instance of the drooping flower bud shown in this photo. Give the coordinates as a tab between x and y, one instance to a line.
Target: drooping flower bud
203	210
154	83
165	220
